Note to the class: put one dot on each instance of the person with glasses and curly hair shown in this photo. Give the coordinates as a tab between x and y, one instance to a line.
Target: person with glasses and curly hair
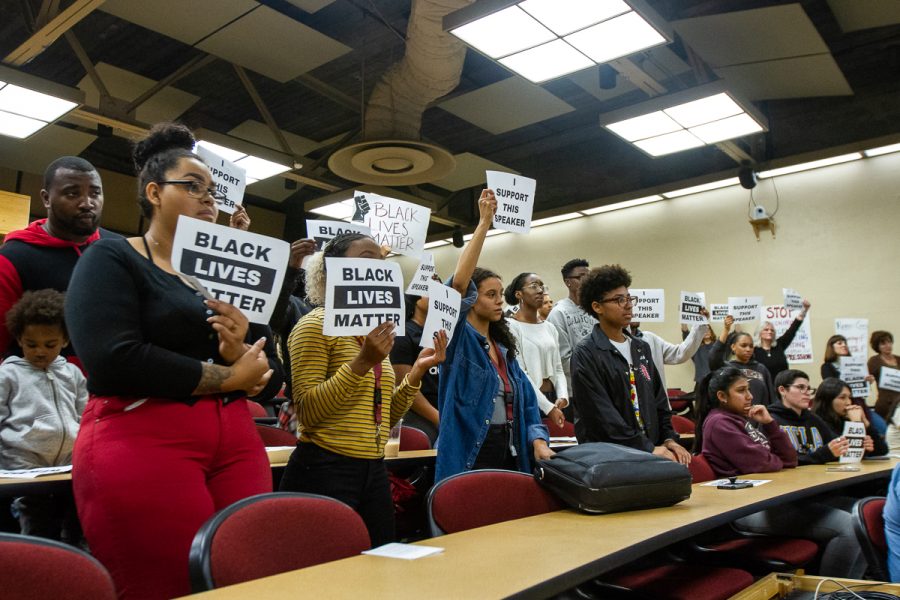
538	345
618	393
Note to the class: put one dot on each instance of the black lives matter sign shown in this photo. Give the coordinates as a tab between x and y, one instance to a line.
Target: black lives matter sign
361	294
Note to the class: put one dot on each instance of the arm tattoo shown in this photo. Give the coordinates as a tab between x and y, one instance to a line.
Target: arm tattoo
212	378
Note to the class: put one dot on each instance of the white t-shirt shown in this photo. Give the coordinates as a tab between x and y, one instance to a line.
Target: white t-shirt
624	349
537	346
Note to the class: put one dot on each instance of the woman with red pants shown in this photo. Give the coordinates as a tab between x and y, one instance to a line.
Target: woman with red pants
166	438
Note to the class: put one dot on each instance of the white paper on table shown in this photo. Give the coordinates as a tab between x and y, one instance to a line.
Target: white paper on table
718	482
32	473
404	551
563	439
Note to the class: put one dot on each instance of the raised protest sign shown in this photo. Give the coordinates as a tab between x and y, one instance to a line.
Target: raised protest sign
323	231
857	333
853	373
793	300
242	268
744	308
889	379
399	225
362	293
718	312
515	200
691	304
855	433
228	178
650	306
800	349
418	285
443	312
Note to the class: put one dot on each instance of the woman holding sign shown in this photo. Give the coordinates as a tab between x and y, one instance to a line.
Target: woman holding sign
771	351
488	409
834	405
166	438
346	401
882	342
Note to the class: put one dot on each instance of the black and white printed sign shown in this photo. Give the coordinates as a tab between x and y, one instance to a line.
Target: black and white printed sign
889	379
650	306
443	312
793	300
691	305
229	178
321	231
362	293
421	280
853	373
399	225
718	312
515	200
855	433
744	308
242	268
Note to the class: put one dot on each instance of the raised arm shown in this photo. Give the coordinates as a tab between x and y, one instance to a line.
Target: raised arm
468	260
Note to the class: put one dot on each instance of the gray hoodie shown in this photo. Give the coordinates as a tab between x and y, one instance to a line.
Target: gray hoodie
39	412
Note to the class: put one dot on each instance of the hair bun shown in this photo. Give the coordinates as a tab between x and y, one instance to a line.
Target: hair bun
162	137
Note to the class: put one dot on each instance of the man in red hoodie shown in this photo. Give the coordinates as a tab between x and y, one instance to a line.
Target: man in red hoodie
44	254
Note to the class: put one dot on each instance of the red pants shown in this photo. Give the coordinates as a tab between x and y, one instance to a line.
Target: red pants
146	478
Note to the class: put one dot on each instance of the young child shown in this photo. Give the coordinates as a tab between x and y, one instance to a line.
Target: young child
42	397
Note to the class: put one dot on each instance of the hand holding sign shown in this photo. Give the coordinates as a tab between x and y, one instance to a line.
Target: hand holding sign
250	372
300	250
373	348
231	325
429	357
487	206
515	200
239	218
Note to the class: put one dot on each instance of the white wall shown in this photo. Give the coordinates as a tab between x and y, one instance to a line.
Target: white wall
837	242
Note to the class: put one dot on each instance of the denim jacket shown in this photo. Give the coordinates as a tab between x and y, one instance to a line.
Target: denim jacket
467	386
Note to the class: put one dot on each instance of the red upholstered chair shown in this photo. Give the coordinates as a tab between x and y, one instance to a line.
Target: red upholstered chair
868	523
682	424
484	497
35	568
567	430
413	439
275	436
682	403
272	533
755	552
257	410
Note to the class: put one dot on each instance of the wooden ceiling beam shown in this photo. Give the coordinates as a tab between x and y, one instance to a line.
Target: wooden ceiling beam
44	37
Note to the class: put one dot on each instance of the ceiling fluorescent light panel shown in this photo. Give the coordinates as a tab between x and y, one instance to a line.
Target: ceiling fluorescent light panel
255	167
882	150
338	210
24	111
623	204
825	162
544	39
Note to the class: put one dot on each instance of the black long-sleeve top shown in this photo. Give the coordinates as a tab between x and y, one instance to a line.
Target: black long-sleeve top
775	359
141	331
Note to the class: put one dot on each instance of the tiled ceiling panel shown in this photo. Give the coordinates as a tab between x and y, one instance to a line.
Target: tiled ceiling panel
267	42
802	77
166	105
187	22
506	105
271	188
34	154
311	6
853	15
756	35
259	133
469	172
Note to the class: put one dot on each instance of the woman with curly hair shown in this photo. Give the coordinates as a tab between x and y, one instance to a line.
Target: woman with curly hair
618	393
489	416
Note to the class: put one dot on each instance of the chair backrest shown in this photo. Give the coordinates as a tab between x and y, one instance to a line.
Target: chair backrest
868	523
673	393
36	568
413	439
273	533
682	424
478	498
567	430
275	436
257	409
700	469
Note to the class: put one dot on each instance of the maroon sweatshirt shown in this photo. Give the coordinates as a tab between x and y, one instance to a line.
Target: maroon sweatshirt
734	445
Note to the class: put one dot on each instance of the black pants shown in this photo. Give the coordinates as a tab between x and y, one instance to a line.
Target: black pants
494	453
360	483
50	516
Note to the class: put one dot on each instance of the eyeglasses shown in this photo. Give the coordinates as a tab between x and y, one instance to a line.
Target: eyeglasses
196	189
802	388
622	300
537	287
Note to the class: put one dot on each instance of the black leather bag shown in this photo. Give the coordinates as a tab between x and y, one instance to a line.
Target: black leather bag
605	478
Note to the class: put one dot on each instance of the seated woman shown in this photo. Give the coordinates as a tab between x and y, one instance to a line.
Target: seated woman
833	404
835	348
346	401
488	409
738	437
537	345
741	345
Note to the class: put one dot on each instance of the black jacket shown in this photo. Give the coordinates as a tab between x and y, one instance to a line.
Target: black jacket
602	395
808	433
